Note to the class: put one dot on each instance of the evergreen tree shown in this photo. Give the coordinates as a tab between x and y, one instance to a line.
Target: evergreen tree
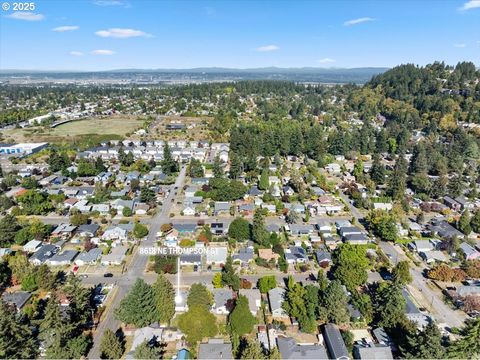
138	307
455	186
241	320
263	183
236	166
217	168
111	346
390	304
425	344
377	171
468	346
252	350
398	179
229	277
401	273
164	298
464	223
169	165
475	222
199	296
295	305
17	340
335	302
147	351
99	165
197	323
259	232
322	280
239	229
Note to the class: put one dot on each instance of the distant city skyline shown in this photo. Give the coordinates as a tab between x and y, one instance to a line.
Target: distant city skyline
98	35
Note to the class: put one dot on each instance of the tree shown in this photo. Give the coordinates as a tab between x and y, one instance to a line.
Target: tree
377	171
229	277
241	320
296	306
164	298
140	230
236	166
259	232
263	183
252	350
397	181
111	346
195	169
169	165
401	273
424	344
239	229
217	281
127	212
475	222
468	346
147	195
383	225
147	351
443	272
390	304
78	219
267	283
322	280
217	168
335	302
17	340
166	264
138	307
471	303
199	296
351	264
464	223
8	227
197	323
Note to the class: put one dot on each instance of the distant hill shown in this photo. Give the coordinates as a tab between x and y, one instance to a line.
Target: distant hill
305	74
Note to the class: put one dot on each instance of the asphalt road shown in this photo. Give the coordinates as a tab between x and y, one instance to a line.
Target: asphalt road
441	311
135	269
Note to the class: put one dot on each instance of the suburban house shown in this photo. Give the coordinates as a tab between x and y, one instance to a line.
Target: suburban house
222	299
276	297
90	257
289	349
254	299
61	259
116	256
18	299
215	349
115	233
32	246
43	254
469	251
244	256
296	254
334	342
216	256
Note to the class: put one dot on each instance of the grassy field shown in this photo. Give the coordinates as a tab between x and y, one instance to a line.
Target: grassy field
118	126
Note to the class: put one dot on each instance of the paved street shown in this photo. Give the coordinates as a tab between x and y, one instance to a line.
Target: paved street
419	286
135	269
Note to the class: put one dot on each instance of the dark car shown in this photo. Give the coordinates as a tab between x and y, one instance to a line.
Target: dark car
108	275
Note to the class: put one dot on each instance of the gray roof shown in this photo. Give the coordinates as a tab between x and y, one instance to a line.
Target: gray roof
297	252
445	230
185	227
291	350
381	336
411	308
67	255
301	228
244	255
221	297
19	298
191	258
90	256
334	341
467	249
222	206
89	228
44	253
465	290
379	352
215	349
276	297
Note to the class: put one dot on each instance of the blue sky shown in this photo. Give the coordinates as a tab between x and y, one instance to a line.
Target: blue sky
114	34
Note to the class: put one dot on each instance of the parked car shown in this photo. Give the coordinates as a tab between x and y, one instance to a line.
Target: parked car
108	275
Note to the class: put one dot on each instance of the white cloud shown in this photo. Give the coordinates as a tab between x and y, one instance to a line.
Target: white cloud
76	53
326	61
122	33
26	15
460	45
472	4
358	21
103	52
268	48
66	28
